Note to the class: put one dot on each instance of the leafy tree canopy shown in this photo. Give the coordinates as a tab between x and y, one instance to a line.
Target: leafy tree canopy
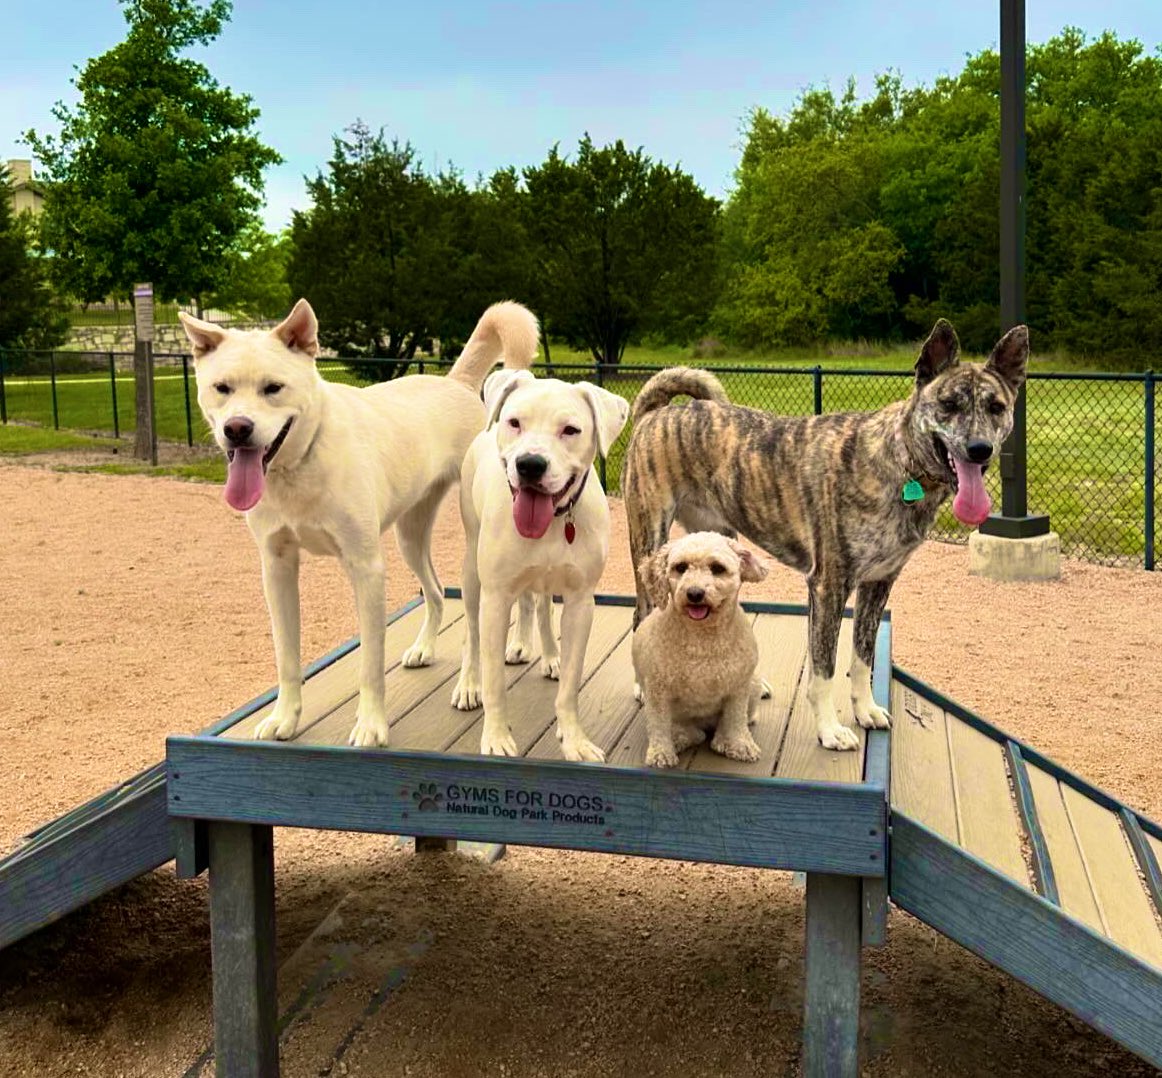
157	172
30	315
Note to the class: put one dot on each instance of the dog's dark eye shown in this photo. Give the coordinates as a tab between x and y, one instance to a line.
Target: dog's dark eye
514	423
680	567
571	430
271	388
221	387
996	407
717	569
947	406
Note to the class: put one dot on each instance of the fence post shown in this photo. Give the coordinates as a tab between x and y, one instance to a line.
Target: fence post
1150	480
599	375
3	397
817	377
56	422
113	393
186	387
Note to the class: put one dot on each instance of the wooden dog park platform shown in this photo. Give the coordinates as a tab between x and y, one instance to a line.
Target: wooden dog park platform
1041	874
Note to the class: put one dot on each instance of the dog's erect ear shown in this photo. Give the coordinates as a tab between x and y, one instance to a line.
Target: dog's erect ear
299	331
655	578
940	351
609	414
204	336
498	385
1010	356
751	568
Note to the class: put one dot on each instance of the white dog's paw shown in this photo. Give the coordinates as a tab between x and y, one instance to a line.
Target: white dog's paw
496	740
421	653
661	756
467	695
369	733
638	695
551	667
279	725
764	689
578	748
871	716
743	748
518	651
839	737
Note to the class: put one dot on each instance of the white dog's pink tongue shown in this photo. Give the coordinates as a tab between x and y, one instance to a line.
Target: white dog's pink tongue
532	512
245	480
698	612
972	503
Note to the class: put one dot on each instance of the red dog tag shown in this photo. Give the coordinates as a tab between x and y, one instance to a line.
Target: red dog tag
570	531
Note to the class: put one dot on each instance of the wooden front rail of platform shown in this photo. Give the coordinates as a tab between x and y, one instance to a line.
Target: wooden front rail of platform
799	807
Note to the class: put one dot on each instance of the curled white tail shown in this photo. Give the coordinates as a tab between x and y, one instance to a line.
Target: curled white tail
505	331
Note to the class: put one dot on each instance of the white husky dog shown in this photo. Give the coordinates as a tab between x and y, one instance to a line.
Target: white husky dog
328	467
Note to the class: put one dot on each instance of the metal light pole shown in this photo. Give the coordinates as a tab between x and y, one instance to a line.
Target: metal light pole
1014	521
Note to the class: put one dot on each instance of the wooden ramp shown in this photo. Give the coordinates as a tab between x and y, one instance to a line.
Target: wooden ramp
1027	865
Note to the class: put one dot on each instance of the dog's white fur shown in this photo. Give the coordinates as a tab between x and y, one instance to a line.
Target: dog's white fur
690	671
354	462
527	415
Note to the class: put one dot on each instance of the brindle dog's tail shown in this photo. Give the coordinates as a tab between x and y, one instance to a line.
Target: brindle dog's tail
677	382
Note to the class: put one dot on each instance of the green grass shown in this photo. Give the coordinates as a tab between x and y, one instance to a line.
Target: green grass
212	470
19	440
1086	464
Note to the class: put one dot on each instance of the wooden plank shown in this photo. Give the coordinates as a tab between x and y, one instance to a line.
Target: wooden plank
986	816
802	756
1043	876
404	690
190	850
242	950
822	827
1028	937
531	700
118	844
1074	888
782	650
921	766
432	724
831	1000
607	705
1148	864
340	681
1155	845
1125	906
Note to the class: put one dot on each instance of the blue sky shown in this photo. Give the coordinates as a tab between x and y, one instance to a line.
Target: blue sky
483	84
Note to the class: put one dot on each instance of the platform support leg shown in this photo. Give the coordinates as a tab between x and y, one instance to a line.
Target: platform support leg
831	1006
242	947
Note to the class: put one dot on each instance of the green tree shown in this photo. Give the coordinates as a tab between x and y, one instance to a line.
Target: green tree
31	316
255	283
157	173
625	246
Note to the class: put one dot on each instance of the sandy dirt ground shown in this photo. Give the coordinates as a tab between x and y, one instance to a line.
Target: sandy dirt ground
132	608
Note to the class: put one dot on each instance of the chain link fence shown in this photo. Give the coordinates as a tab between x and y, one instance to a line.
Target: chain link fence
1092	464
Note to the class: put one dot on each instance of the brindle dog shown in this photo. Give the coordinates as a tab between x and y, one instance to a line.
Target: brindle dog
843	498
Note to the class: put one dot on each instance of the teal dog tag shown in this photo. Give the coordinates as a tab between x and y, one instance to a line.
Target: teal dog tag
913	492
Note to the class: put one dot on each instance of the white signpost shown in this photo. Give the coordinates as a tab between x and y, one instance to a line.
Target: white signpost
145	444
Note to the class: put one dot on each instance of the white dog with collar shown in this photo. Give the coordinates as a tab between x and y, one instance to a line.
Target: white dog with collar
536	521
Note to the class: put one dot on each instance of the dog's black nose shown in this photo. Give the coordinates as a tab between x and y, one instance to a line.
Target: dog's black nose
238	430
979	451
695	595
531	466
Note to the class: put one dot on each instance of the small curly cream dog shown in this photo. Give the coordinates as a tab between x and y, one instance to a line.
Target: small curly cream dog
695	654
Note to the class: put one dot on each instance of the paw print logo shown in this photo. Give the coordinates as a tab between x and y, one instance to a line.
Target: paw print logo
428	797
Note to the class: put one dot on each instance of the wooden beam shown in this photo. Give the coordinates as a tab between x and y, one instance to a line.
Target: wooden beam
831	1005
242	948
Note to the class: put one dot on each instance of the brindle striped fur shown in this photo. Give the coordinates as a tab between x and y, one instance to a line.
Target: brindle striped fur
820	493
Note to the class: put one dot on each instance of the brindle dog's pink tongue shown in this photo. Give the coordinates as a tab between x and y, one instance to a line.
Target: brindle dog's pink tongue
245	480
532	512
972	503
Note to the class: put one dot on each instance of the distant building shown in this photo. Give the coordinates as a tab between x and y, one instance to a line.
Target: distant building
26	194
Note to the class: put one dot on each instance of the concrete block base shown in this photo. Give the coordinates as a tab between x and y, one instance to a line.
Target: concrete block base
1037	558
